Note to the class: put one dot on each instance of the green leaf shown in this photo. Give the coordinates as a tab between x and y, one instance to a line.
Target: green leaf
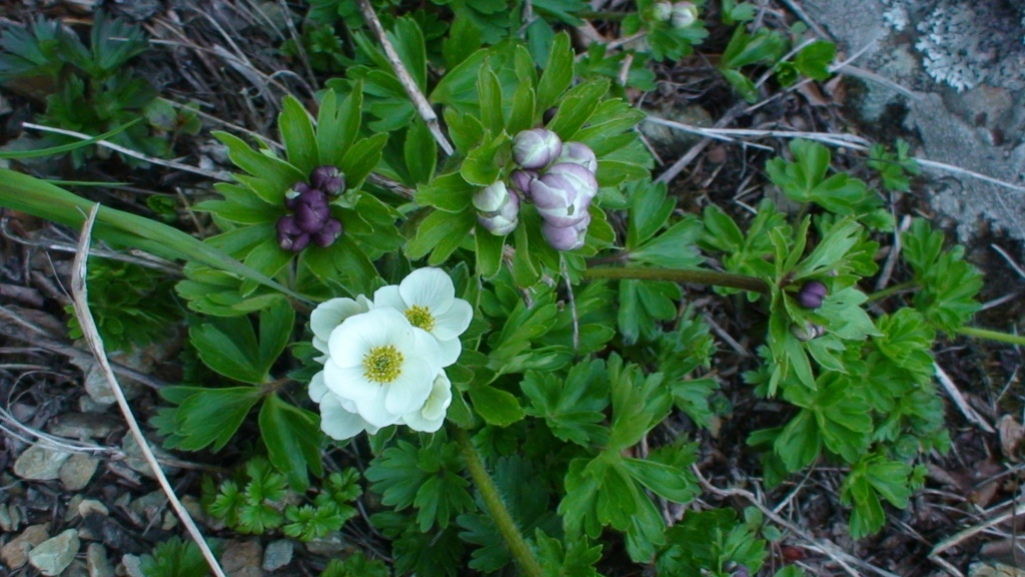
212	416
292	437
649	211
814	59
440	234
421	153
483	164
576	107
495	406
558	73
338	124
573	407
521	116
361	159
279	174
297	135
710	542
229	347
490	91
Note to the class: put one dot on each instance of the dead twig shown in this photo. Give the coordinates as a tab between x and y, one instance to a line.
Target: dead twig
423	107
85	319
959	400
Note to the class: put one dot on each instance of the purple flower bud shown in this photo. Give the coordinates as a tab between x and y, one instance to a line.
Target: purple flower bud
331	230
578	153
811	294
289	236
287	226
312	211
491	199
563	194
684	14
295	192
536	148
328	178
566	238
521	179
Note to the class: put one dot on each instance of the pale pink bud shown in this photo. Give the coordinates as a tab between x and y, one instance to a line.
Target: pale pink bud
536	148
563	194
578	153
491	199
521	179
566	238
684	15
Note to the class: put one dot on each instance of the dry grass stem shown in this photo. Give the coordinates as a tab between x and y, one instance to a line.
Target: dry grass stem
130	152
959	400
80	293
423	107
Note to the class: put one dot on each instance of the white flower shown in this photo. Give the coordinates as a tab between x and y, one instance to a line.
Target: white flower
382	364
431	416
338	416
329	314
428	300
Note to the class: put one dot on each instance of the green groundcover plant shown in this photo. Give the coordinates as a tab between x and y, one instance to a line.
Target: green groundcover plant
446	313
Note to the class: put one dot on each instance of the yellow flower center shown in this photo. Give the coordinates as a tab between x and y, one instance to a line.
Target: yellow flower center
420	317
382	365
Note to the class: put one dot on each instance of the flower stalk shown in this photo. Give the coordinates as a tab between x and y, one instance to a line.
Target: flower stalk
496	508
708	277
992	335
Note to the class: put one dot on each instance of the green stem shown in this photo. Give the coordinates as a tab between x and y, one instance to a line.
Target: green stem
496	508
709	277
886	292
992	335
604	15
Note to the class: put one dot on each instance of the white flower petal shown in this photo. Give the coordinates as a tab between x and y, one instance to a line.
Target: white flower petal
453	322
329	315
357	335
389	296
349	382
339	423
409	391
428	287
448	352
426	347
317	387
432	415
375	413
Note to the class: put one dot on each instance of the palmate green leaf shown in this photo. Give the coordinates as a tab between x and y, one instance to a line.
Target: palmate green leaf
948	284
421	153
448	192
292	438
440	234
642	305
572	406
558	73
576	107
207	416
356	564
338	124
814	59
175	557
230	347
279	175
639	403
483	164
576	560
710	543
490	91
649	211
871	478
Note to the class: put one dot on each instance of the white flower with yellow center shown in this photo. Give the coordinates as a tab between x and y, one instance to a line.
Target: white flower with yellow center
431	416
428	300
381	363
329	314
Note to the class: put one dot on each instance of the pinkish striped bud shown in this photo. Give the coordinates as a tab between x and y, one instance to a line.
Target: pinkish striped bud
812	294
566	238
489	200
536	148
578	153
520	180
563	194
684	15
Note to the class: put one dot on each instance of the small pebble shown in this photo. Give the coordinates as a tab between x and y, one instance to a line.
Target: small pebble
96	559
54	555
38	463
278	554
78	471
15	553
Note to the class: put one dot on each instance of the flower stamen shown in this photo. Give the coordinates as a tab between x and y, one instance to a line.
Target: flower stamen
382	364
420	317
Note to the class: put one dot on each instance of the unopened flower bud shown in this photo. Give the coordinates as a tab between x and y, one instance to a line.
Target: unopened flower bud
578	153
807	332
566	238
491	199
290	236
684	14
295	192
328	178
331	230
502	221
563	194
286	226
661	11
536	148
520	180
312	211
811	294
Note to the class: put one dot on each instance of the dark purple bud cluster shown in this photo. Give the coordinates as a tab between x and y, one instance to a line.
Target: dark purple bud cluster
559	178
311	220
812	294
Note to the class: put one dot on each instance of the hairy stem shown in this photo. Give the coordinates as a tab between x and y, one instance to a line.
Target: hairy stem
887	292
992	335
709	277
496	508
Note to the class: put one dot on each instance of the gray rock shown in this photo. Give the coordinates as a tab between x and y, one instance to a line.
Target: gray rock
132	566
149	506
54	555
92	507
135	460
332	544
242	559
10	518
83	425
78	470
96	559
39	463
278	554
76	569
15	553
